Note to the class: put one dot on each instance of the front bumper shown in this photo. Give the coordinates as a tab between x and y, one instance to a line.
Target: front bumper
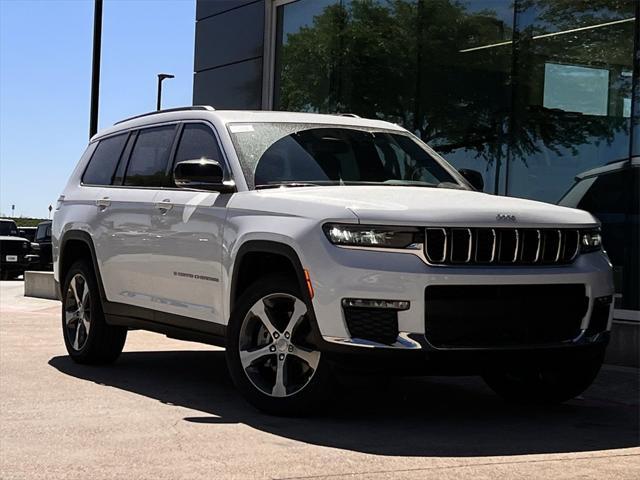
14	267
339	273
428	361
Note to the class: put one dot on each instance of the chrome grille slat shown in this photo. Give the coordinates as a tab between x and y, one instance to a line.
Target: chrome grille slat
506	246
428	245
461	248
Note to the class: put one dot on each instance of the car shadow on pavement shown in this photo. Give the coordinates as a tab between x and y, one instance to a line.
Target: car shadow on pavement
432	416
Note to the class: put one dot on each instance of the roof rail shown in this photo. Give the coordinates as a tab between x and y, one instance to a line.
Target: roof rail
168	110
348	115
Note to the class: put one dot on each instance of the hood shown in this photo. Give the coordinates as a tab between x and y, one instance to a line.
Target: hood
6	238
412	206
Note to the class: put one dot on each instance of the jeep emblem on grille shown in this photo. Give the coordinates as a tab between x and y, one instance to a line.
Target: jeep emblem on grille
505	217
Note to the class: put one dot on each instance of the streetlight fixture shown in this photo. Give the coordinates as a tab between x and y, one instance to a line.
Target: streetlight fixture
161	77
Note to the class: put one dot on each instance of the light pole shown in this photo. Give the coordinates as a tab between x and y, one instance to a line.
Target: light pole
95	67
161	77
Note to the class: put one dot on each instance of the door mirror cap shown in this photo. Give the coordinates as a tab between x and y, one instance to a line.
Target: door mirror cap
202	174
474	178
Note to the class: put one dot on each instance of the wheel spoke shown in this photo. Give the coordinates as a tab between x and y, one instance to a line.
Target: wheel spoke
70	317
85	294
310	357
247	357
260	311
86	324
74	289
299	311
279	388
76	340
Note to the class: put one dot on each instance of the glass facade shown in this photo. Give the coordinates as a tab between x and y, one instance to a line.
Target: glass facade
537	95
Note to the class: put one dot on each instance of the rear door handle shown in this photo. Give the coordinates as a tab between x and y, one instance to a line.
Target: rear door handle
164	206
103	203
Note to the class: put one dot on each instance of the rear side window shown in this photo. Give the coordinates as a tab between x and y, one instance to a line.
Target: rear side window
104	160
149	158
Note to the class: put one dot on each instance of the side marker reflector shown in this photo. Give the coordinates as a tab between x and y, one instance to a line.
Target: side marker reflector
307	279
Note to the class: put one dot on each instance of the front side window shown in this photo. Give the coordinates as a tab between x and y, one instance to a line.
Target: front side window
197	141
104	160
280	153
149	158
43	232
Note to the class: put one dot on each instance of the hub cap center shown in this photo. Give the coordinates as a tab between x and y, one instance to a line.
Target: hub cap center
282	344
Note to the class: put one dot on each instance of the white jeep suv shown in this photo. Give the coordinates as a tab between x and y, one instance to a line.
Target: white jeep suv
306	244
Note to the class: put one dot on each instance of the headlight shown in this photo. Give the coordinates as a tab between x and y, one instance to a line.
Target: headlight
372	236
590	240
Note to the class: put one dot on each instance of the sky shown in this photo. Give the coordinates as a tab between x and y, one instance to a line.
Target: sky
45	83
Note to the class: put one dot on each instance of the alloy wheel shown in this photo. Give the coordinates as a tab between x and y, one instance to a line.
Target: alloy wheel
275	351
77	310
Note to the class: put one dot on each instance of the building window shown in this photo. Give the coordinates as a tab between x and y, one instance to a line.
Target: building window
395	61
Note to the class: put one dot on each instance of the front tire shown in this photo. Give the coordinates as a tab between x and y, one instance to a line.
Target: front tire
548	384
270	355
88	338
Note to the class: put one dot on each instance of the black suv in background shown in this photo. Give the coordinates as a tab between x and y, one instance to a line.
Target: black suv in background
42	258
14	251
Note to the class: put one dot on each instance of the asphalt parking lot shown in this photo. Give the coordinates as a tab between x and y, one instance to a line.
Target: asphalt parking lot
167	410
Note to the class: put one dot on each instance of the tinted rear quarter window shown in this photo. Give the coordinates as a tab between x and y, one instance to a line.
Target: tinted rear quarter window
104	160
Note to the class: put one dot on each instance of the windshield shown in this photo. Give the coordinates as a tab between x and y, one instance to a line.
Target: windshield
273	154
8	229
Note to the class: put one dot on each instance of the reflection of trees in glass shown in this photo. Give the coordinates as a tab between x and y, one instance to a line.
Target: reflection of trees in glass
401	60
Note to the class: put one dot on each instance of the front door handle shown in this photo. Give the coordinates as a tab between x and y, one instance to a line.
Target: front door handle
164	206
103	203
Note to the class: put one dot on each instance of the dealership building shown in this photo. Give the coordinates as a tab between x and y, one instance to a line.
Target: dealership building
540	96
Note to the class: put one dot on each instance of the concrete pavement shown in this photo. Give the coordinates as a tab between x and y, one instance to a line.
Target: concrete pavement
167	410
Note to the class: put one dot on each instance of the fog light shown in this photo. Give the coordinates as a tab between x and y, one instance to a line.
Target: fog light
368	303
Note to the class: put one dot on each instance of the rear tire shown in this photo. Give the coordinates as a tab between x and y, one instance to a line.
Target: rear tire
548	384
269	353
88	338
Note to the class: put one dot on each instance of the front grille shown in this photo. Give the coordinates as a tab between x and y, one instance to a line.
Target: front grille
375	324
500	246
480	316
13	248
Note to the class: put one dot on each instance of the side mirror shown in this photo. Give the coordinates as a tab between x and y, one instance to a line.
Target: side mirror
473	177
203	174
